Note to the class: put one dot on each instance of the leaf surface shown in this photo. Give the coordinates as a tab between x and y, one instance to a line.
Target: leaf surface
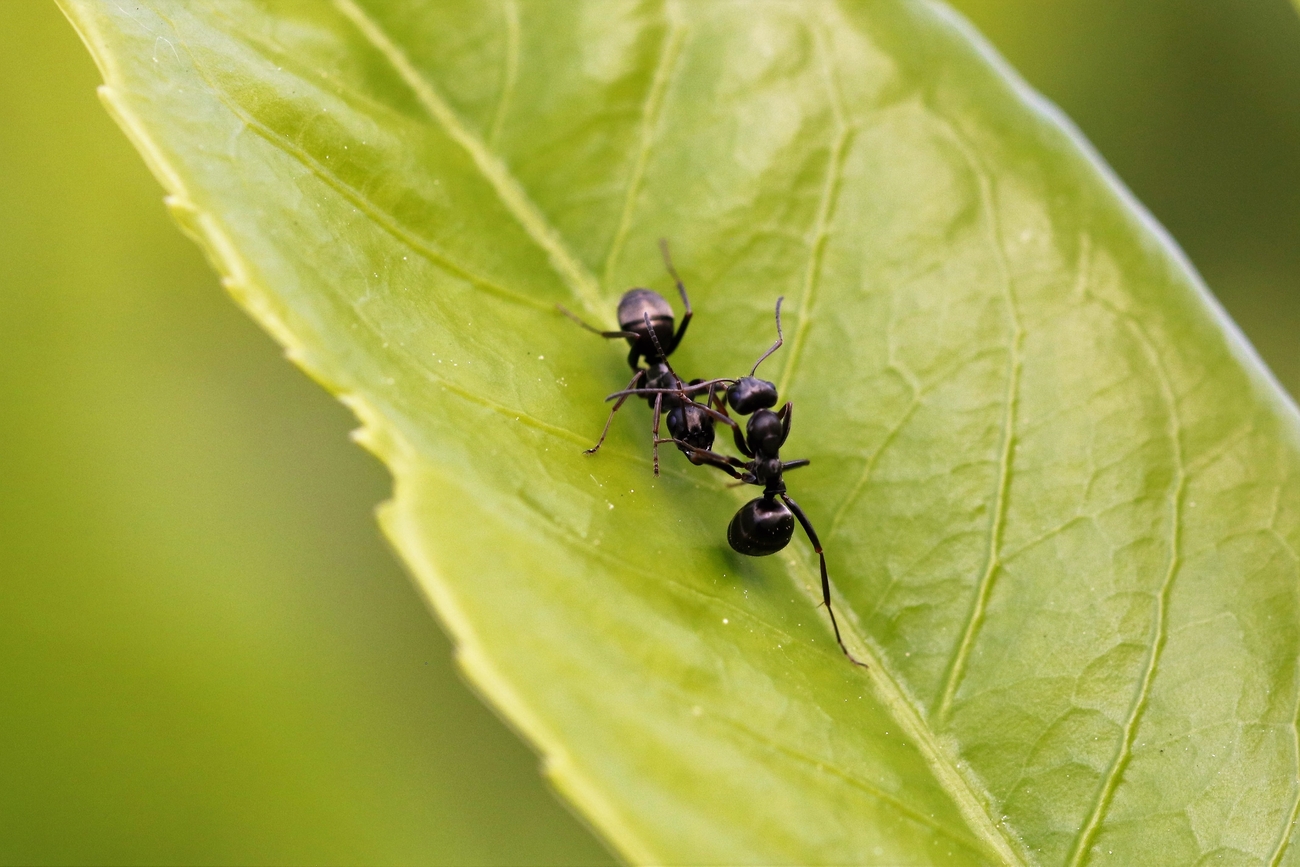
1057	490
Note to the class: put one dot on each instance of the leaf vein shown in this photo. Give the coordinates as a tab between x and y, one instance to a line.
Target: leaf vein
1106	793
856	782
1288	829
843	133
532	421
417	244
650	111
919	392
511	72
507	188
970	799
861	483
961	655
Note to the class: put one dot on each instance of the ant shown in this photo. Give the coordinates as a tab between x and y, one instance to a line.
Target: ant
765	524
646	322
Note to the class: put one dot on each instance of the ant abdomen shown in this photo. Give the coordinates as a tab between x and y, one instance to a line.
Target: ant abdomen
633	309
763	526
636	303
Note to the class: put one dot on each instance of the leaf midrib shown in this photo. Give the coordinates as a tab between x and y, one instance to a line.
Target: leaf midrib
650	110
843	134
415	242
503	183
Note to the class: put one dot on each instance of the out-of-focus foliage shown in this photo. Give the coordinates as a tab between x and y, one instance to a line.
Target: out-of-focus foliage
1056	489
207	654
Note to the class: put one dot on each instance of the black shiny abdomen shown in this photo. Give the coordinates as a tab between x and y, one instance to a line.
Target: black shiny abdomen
635	303
762	526
633	308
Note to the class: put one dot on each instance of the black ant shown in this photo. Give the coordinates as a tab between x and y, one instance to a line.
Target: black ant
646	322
765	524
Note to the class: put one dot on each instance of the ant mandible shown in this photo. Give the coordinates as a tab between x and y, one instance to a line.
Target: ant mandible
646	321
765	524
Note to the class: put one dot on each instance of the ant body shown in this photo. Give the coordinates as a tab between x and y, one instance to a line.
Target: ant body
765	524
646	322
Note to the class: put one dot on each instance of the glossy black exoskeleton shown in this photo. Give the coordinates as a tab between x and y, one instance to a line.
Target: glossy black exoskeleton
689	422
765	524
647	324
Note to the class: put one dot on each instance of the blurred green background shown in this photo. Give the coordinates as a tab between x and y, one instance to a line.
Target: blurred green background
207	653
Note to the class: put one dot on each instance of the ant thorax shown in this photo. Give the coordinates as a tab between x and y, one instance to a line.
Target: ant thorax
764	434
768	471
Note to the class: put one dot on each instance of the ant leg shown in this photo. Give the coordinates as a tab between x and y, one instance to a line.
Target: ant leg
712	458
681	288
794	465
735	428
654	429
785	413
705	457
717	407
779	338
736	433
739	437
679	390
608	421
718	401
826	581
593	329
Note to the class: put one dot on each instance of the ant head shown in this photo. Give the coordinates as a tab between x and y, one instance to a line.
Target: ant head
764	434
762	526
633	308
659	375
749	393
692	425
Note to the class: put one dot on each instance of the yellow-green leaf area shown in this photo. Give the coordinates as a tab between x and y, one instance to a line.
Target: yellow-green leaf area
1057	490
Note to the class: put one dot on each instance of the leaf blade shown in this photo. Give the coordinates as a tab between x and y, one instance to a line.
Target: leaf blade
978	244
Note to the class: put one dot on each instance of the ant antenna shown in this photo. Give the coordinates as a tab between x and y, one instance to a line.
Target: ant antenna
779	338
672	272
655	339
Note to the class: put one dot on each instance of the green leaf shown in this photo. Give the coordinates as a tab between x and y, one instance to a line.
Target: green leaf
1058	492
